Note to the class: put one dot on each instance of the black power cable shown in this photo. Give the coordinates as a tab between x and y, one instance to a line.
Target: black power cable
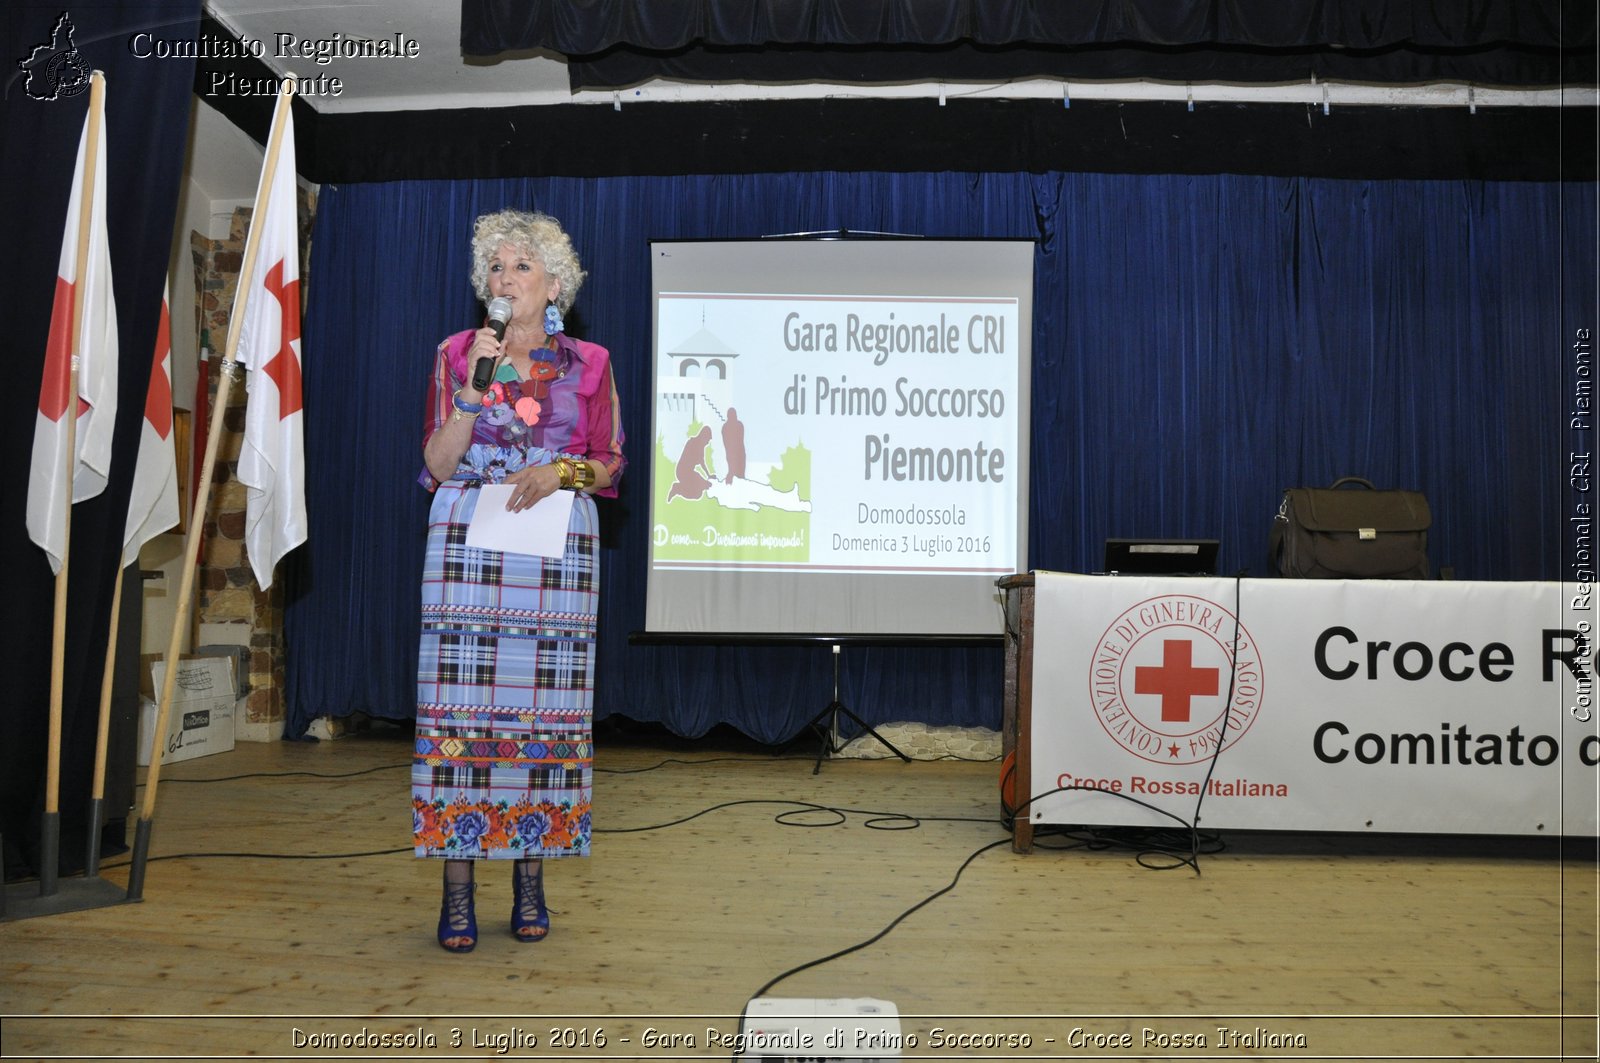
876	820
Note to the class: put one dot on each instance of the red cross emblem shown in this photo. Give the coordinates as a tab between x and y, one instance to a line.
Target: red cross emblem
284	368
58	357
158	399
1177	679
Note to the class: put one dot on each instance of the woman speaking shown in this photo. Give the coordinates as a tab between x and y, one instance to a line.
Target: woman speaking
505	675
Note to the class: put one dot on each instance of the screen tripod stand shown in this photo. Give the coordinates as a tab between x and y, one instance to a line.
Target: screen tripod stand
826	724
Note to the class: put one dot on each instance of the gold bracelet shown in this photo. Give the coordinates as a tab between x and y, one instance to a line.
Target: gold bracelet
578	474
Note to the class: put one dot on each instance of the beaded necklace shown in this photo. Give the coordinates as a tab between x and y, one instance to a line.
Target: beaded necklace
526	402
544	367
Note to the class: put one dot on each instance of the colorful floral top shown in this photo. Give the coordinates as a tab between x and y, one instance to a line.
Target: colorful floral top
568	407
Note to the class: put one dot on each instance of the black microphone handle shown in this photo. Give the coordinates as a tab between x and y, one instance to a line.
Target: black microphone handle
483	373
483	370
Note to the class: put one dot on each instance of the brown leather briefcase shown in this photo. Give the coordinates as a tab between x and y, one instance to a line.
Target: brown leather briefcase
1351	530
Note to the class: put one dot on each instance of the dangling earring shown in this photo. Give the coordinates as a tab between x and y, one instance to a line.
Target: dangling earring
552	319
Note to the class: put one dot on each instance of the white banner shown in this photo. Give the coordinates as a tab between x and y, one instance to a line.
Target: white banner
1450	707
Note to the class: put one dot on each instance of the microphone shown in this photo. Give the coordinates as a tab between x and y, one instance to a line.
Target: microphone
499	314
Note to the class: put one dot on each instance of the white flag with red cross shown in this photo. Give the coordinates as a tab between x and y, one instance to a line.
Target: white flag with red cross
272	461
94	345
153	503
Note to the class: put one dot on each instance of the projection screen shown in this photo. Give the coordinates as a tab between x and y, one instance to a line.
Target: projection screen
840	436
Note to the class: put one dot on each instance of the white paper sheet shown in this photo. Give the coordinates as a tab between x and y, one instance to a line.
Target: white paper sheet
540	530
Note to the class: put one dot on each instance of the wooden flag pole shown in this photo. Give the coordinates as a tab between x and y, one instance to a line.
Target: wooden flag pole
191	549
102	735
50	829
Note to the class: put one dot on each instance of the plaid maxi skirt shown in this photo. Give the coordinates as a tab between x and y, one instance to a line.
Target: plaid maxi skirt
505	692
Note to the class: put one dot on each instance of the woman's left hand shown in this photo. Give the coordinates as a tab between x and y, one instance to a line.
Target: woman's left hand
532	484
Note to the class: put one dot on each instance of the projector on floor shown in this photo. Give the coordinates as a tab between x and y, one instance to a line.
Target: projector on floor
823	1031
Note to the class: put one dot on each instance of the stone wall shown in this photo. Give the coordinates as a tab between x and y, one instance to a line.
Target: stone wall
227	592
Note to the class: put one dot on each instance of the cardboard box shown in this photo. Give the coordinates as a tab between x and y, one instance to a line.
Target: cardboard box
201	720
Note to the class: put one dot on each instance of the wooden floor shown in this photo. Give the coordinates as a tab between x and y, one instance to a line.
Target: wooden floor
1303	946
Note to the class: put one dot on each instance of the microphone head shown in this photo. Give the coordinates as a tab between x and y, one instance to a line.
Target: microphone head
500	309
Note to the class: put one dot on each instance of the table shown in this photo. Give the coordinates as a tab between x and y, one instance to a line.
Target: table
1385	706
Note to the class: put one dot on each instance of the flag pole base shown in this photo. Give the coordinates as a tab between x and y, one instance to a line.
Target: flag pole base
91	856
49	853
23	901
141	852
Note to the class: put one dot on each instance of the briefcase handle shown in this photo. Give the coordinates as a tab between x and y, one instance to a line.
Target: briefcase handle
1341	481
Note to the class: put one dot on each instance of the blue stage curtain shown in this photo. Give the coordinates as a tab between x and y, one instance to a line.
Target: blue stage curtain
1200	344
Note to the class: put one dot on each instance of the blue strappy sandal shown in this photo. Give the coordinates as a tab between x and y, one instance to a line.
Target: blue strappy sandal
528	890
456	917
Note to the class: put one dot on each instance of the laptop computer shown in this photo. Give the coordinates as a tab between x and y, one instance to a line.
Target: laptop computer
1161	557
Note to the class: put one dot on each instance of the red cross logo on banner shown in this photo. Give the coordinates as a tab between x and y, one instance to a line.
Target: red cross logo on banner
1156	677
1177	680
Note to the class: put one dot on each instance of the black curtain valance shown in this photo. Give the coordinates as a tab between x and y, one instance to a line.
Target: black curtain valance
1427	143
911	135
586	28
610	43
1510	66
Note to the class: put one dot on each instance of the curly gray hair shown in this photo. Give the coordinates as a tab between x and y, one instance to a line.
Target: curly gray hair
536	235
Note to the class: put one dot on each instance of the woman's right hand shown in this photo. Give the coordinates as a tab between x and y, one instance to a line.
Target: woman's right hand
484	345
